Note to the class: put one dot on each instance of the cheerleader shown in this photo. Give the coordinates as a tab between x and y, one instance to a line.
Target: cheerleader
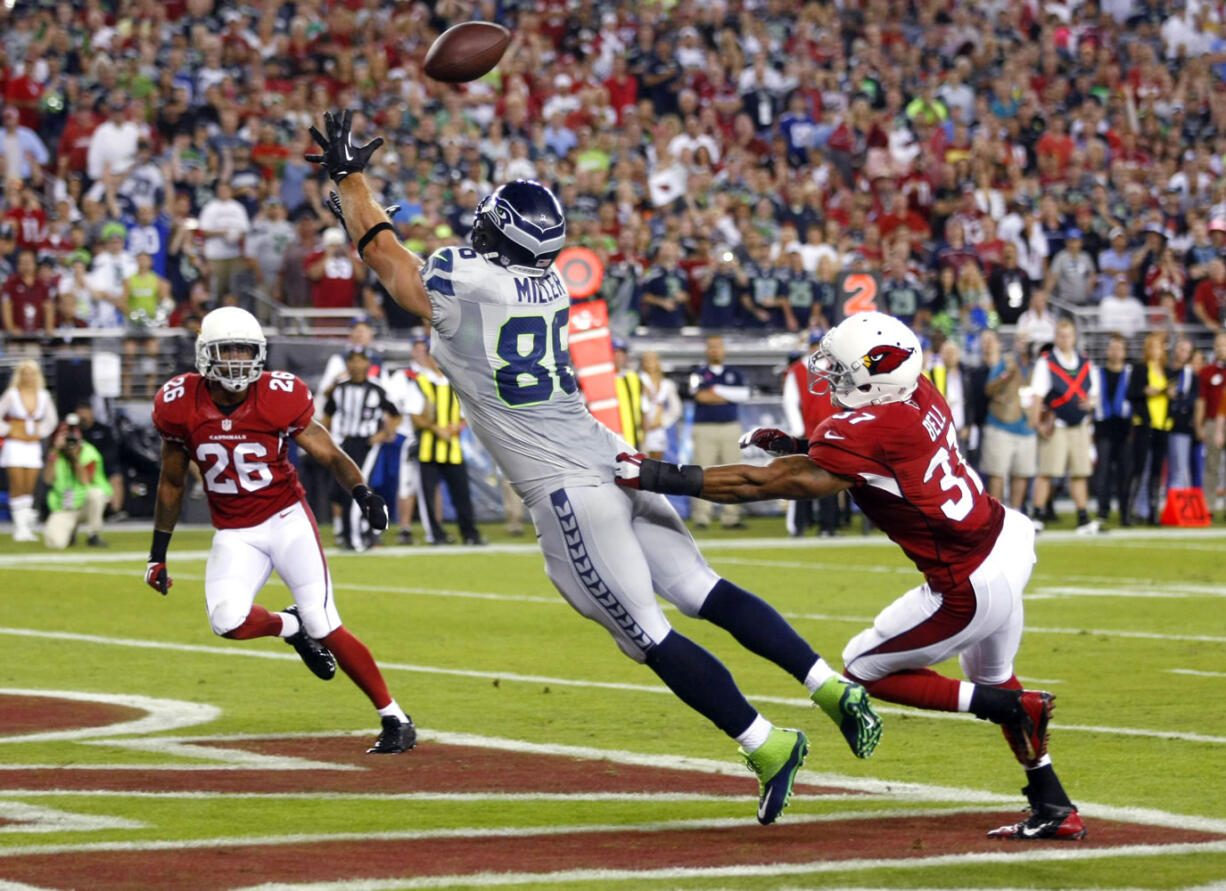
27	416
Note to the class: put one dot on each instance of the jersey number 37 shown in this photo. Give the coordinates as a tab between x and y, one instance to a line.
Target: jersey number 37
535	352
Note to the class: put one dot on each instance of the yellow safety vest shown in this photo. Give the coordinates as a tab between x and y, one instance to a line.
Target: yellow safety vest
938	374
434	449
630	407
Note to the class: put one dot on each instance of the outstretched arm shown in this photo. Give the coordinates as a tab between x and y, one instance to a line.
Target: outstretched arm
794	477
398	268
318	443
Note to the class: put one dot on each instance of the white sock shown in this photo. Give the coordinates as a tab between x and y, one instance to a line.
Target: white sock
393	709
21	502
965	691
818	674
1042	762
755	734
290	624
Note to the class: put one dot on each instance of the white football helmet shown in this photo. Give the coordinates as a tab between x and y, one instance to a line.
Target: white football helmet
867	359
223	333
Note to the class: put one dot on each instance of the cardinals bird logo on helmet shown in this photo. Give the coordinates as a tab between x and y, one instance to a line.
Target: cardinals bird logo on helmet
885	358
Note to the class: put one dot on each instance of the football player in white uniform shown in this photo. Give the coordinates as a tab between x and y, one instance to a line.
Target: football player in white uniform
499	315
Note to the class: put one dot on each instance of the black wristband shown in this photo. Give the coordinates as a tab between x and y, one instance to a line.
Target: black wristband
372	232
161	541
671	479
801	445
360	493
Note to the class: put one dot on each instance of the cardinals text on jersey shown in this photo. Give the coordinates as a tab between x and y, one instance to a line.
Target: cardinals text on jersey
242	455
913	483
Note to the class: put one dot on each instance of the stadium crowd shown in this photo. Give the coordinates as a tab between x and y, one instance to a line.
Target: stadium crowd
735	166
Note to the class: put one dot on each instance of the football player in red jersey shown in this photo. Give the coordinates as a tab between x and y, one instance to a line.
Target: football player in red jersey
235	420
896	451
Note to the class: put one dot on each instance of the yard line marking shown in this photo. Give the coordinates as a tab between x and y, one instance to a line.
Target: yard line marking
587	684
457	797
770	870
163	714
34	818
469	832
1199	674
823	567
1164	591
1157	538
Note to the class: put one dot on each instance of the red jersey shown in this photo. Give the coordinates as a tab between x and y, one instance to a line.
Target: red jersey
813	408
1213	388
339	285
27	301
911	481
242	455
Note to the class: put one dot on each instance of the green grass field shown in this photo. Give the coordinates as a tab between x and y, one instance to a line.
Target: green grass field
1128	630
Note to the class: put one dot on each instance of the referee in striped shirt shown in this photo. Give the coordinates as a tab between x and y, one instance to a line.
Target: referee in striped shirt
361	418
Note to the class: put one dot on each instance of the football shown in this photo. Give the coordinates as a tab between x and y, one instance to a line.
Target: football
466	51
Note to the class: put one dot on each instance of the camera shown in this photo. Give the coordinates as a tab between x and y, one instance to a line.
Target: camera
726	257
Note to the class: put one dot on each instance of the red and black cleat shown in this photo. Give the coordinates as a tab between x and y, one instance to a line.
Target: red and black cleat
1026	731
1046	821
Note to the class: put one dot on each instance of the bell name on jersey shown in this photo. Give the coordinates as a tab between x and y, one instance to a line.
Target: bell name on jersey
243	456
503	341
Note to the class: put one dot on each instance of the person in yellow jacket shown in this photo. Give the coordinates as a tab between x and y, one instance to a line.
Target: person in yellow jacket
629	395
1150	392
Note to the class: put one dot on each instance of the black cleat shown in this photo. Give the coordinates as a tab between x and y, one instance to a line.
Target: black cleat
311	651
395	737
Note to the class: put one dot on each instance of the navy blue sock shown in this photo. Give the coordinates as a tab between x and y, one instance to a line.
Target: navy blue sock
701	682
759	628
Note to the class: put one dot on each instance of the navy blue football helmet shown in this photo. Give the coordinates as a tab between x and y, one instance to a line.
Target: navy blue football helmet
520	226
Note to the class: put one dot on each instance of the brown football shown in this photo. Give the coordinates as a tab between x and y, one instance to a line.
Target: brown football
466	51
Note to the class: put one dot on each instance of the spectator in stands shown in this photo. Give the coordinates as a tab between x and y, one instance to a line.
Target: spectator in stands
293	286
78	488
1150	396
265	249
765	304
334	271
114	144
1113	262
26	306
1009	286
1065	393
1210	399
665	290
717	390
112	268
1183	383
1209	298
1037	325
1070	279
723	285
223	225
22	150
1164	284
27	417
147	305
1120	311
1112	431
1010	448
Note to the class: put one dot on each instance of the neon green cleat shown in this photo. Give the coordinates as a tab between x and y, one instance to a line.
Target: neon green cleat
848	705
776	763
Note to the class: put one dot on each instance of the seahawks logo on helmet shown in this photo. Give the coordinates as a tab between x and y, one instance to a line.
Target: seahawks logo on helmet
520	226
885	358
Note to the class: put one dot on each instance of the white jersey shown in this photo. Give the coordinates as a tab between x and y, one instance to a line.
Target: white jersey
501	339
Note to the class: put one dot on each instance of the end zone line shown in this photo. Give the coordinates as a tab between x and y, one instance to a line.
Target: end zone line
1029	854
254	653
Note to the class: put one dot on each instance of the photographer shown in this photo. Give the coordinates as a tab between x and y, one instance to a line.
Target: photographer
79	489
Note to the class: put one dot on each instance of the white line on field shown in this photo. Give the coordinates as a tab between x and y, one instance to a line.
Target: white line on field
468	832
33	818
163	714
1030	854
1156	536
1199	674
453	797
569	682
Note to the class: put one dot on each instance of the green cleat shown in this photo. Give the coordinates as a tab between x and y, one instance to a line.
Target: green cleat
775	764
848	705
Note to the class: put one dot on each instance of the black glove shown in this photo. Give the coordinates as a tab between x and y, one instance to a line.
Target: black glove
340	157
334	205
374	508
